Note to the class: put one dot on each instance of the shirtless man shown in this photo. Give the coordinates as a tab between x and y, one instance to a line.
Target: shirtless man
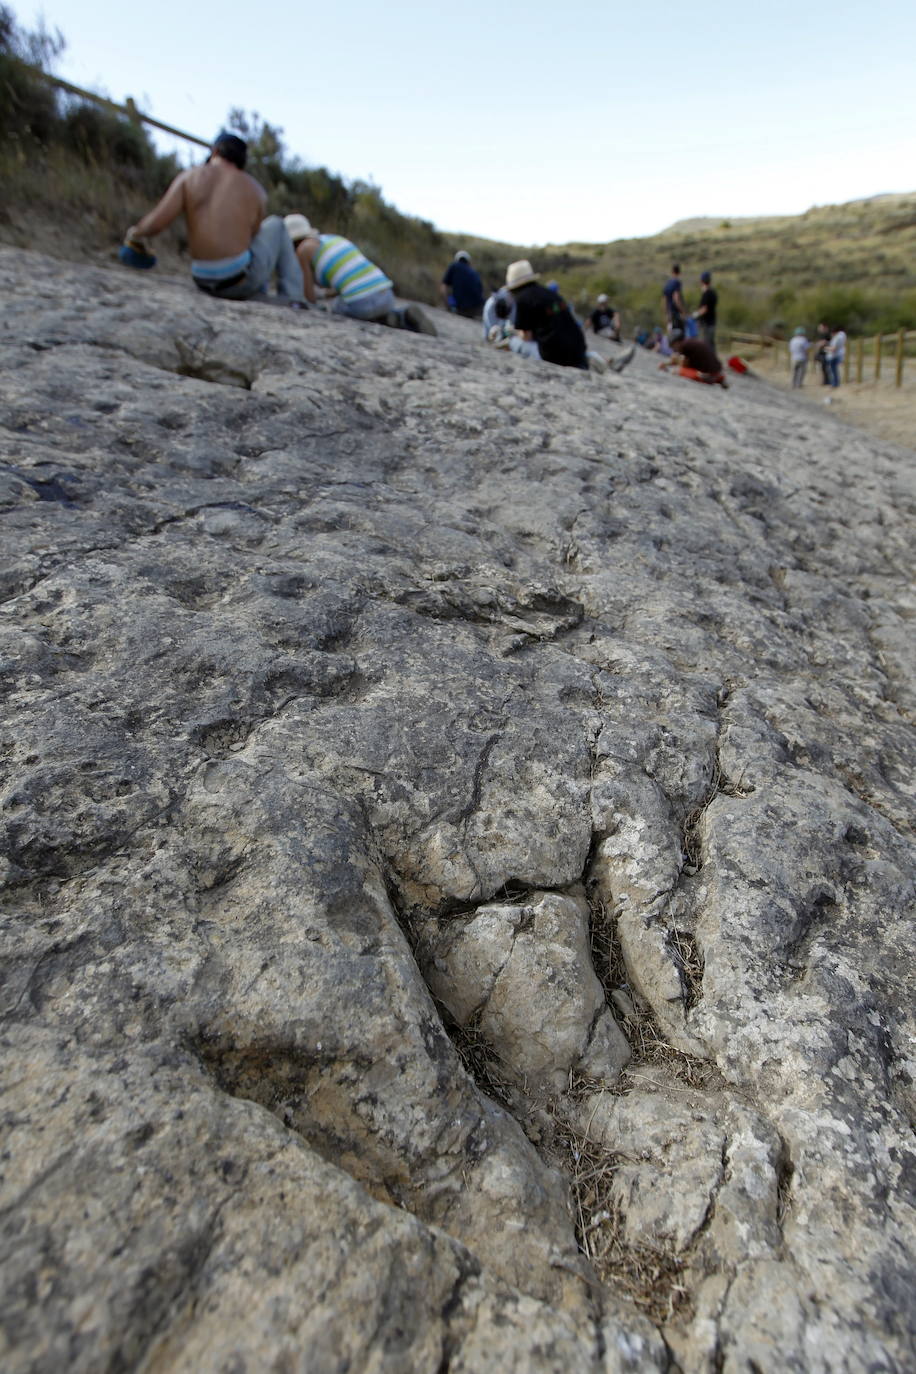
235	250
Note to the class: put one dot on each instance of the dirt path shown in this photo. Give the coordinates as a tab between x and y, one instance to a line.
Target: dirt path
877	407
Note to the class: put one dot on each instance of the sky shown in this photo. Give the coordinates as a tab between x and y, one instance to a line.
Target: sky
534	123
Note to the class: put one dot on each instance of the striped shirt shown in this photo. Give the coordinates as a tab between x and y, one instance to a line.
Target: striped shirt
339	265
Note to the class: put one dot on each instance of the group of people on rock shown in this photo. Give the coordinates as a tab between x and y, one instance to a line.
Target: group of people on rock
689	344
534	321
703	320
236	252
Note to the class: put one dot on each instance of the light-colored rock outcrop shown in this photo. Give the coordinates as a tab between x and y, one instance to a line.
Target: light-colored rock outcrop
456	826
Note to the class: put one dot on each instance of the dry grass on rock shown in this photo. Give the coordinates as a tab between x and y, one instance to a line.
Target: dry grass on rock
652	1277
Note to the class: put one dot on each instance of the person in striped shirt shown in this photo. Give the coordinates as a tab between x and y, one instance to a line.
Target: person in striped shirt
336	267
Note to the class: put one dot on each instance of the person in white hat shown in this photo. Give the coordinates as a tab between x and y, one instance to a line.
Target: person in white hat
542	316
604	320
335	266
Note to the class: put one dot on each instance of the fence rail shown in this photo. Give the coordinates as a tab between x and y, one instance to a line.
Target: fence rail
128	108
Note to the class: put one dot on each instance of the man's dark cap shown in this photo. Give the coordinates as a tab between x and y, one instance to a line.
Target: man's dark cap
706	276
232	148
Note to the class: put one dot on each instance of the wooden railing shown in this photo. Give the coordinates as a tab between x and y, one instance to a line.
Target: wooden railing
128	108
878	347
898	342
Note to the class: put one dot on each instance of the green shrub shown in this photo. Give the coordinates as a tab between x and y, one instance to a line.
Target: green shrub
28	108
98	135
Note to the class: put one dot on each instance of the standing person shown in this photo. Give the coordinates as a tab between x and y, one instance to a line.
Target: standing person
542	316
462	282
820	355
695	359
335	266
836	352
604	320
673	299
234	250
706	315
798	353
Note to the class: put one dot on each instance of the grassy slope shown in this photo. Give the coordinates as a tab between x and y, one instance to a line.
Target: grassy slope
853	263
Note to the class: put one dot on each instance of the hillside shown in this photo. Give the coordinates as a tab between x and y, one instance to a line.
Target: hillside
456	847
855	263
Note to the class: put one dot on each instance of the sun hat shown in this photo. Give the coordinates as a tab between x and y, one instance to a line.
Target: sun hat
462	256
800	330
298	227
520	274
602	299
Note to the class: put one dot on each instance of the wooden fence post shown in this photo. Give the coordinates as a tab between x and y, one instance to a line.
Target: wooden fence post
900	338
877	356
860	351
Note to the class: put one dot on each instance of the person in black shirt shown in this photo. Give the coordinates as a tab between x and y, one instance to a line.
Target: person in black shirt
544	316
706	315
604	320
820	353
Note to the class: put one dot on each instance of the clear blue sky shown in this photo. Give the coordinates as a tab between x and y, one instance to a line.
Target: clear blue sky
534	122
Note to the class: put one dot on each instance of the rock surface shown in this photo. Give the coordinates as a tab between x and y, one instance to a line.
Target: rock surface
457	847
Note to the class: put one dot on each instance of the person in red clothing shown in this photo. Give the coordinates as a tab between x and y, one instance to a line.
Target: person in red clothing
695	359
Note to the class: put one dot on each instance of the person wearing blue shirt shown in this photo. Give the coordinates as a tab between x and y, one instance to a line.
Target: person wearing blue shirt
463	284
675	310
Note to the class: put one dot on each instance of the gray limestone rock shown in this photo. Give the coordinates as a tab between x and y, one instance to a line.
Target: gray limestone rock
456	846
522	976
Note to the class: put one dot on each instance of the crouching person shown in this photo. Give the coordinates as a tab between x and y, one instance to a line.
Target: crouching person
695	359
334	266
235	251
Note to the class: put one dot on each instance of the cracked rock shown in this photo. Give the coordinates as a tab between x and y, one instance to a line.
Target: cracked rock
382	719
522	976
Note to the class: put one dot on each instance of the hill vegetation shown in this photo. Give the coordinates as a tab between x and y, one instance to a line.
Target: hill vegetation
853	264
76	175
